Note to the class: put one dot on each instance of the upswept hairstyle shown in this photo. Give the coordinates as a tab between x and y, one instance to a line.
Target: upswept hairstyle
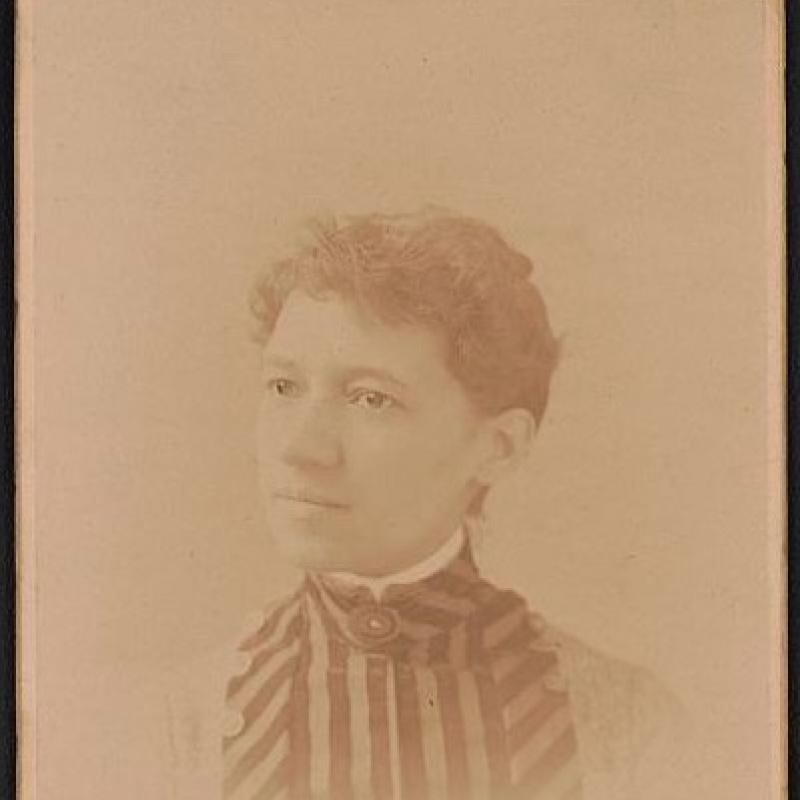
454	275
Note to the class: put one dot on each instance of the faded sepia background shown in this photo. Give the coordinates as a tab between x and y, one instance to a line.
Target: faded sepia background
176	145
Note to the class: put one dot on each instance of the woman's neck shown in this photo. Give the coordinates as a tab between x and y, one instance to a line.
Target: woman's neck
429	565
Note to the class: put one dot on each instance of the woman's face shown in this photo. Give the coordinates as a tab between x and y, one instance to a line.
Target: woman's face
368	447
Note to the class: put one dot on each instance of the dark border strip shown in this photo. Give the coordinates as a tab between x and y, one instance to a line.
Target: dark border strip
8	750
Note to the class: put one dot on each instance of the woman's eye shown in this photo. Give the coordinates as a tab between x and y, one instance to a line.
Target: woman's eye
282	387
372	400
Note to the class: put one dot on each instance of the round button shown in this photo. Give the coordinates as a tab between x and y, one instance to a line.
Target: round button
233	724
374	625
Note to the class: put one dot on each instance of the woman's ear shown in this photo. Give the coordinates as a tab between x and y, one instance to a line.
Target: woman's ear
509	437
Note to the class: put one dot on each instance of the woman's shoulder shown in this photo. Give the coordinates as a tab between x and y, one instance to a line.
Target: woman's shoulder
613	692
193	691
195	679
631	729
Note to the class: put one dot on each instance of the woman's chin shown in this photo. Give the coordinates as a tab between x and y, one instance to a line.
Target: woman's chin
310	546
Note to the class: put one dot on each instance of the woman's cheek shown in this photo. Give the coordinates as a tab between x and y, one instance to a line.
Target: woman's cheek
382	456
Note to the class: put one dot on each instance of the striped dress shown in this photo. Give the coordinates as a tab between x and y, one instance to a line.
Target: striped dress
445	689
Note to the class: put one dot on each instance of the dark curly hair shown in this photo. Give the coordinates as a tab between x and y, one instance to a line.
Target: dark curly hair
452	274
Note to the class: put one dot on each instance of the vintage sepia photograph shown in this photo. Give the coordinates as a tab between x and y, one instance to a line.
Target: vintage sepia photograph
400	409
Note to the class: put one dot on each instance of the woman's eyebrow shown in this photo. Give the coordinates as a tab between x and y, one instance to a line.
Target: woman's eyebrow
356	372
272	360
345	374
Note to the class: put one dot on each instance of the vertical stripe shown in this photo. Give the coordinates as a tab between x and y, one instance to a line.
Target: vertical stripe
381	727
394	739
494	732
433	744
437	649
360	730
329	605
457	707
454	735
300	735
491	715
458	653
412	764
319	712
473	727
339	731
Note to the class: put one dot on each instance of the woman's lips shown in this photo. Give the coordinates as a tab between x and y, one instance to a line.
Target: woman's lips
309	498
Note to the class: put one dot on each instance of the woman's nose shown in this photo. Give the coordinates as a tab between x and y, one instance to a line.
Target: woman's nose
312	440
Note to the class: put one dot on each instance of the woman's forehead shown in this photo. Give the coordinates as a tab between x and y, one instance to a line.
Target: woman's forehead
334	333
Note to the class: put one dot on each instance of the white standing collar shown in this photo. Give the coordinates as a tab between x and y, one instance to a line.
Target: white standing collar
433	563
